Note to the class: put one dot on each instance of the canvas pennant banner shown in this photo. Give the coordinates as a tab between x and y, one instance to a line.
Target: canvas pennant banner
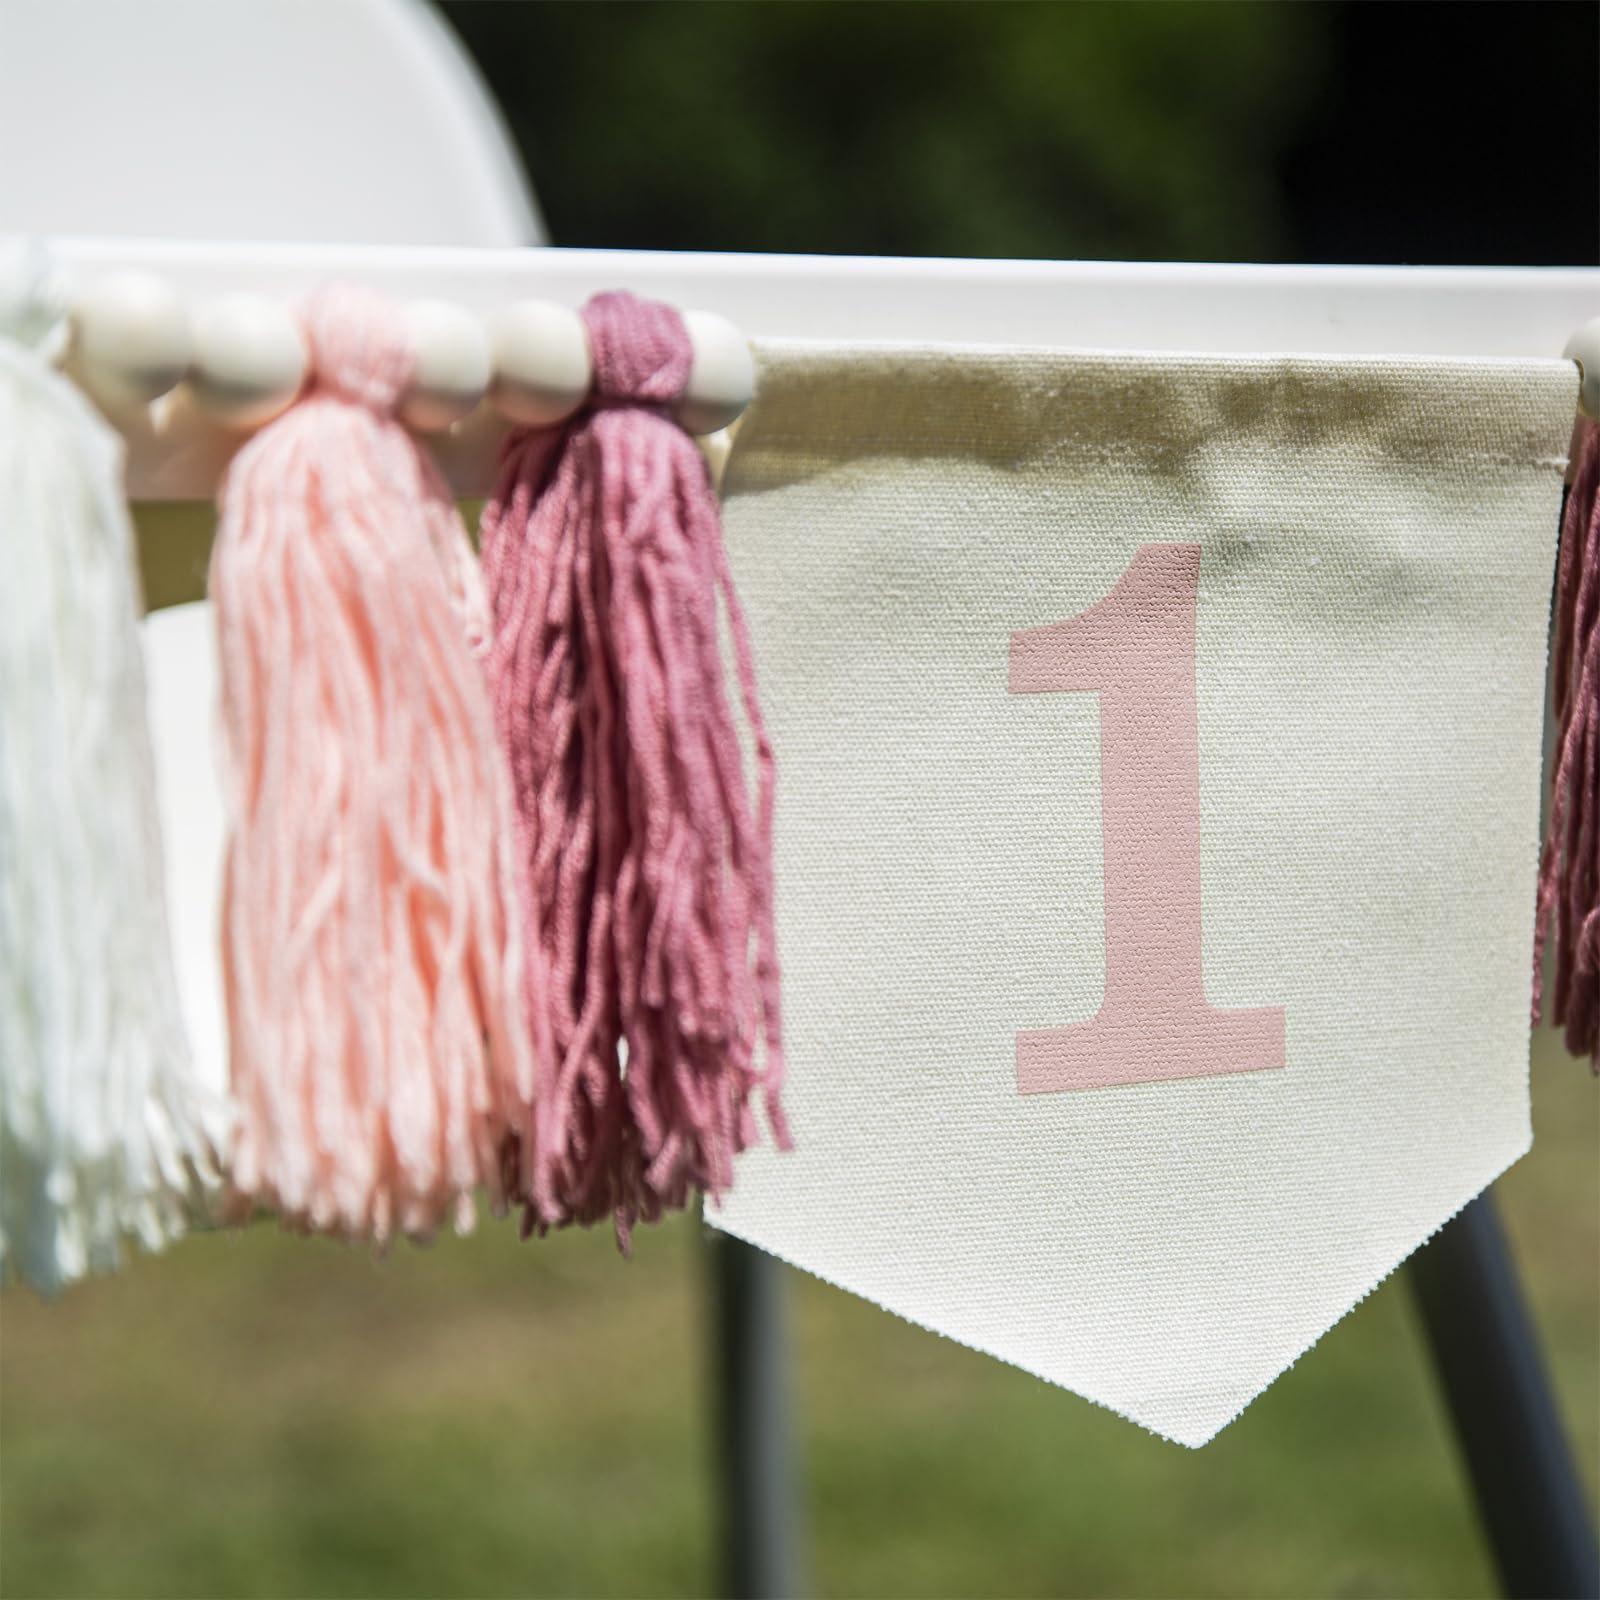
1159	745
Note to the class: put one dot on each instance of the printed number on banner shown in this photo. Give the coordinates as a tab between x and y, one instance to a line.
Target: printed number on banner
1136	650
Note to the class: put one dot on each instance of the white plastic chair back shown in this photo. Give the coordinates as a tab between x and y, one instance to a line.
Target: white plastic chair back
335	121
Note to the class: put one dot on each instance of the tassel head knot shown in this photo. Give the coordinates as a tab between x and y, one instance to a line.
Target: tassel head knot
360	351
640	349
33	306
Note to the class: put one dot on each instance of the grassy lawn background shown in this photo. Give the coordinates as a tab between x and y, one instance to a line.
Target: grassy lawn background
255	1414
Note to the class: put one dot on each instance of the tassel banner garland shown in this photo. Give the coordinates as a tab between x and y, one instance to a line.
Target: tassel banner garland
649	888
1569	868
373	969
105	1129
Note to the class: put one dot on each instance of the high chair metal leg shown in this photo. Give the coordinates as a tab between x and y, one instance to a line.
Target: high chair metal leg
756	1476
1531	1500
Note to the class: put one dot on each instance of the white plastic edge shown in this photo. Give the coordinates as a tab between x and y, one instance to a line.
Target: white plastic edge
1404	311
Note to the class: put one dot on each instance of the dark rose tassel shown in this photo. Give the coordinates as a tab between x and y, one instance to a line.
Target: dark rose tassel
648	896
1569	870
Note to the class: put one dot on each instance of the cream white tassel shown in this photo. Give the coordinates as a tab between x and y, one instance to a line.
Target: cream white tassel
104	1130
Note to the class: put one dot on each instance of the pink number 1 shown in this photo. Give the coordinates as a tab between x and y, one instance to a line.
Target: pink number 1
1136	648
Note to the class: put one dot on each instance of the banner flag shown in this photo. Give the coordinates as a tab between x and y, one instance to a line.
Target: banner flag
1158	742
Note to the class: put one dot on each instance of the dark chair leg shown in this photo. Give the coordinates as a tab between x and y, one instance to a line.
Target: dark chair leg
756	1468
1531	1500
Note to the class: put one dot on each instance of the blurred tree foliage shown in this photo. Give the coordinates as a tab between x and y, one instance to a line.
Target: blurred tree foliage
1326	130
949	128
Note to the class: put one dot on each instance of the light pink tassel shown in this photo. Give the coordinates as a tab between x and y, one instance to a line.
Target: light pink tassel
649	888
370	943
1569	871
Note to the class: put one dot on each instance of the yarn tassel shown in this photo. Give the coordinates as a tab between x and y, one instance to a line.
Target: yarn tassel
1569	869
373	967
649	874
105	1129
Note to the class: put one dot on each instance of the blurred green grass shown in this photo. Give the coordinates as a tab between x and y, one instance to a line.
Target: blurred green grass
255	1414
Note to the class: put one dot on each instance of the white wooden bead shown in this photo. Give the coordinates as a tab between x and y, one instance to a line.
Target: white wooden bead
722	376
250	360
1584	348
453	365
542	368
131	339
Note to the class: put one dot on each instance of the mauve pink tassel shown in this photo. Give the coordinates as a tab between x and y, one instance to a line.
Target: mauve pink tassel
649	886
369	931
1569	870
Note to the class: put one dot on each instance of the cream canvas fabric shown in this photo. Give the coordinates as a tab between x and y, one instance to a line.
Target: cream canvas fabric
1375	545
